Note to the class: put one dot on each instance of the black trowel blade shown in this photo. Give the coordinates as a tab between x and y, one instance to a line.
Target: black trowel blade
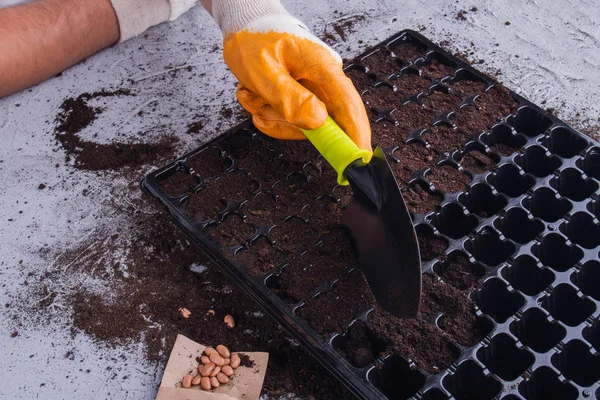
384	237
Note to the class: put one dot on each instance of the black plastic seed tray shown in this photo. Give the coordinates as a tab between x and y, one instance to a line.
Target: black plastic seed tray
527	222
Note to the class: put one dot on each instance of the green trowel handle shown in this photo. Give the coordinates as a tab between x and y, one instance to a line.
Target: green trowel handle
337	147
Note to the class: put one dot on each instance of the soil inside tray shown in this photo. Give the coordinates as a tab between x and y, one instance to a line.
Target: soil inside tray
413	116
419	201
431	247
444	138
449	179
431	349
477	162
408	51
179	184
323	314
388	135
466	88
410	83
382	64
437	70
490	107
411	158
460	273
382	98
505	150
440	101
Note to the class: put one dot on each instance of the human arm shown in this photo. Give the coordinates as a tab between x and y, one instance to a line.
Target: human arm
41	39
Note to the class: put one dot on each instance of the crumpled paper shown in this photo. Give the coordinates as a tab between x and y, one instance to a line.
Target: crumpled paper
246	383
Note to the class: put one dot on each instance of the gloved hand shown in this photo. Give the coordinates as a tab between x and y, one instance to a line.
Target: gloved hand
289	78
135	16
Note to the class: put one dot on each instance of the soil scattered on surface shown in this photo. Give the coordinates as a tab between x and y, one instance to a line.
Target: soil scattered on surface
76	114
145	306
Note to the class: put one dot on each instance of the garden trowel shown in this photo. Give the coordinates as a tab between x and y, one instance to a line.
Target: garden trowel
380	226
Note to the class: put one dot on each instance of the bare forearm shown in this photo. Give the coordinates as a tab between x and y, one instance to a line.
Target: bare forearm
208	5
40	39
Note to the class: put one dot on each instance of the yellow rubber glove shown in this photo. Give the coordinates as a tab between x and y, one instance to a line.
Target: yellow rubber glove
289	78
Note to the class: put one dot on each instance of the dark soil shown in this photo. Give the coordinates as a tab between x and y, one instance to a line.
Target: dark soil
431	247
437	70
505	150
466	88
477	162
421	341
445	138
420	201
155	292
360	346
323	313
410	84
232	231
261	257
179	184
76	114
409	51
209	163
411	158
229	189
440	101
361	80
489	108
382	64
382	98
460	273
412	116
449	179
386	134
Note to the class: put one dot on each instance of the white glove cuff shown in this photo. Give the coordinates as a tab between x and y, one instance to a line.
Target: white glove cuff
233	15
135	16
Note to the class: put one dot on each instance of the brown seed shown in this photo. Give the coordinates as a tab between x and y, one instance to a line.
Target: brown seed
210	312
215	382
186	382
216	371
217	359
207	369
185	313
229	321
204	359
222	378
209	350
196	380
235	361
227	370
223	351
205	383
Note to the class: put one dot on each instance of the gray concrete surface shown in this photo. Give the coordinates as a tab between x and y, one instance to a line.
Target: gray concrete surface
548	53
